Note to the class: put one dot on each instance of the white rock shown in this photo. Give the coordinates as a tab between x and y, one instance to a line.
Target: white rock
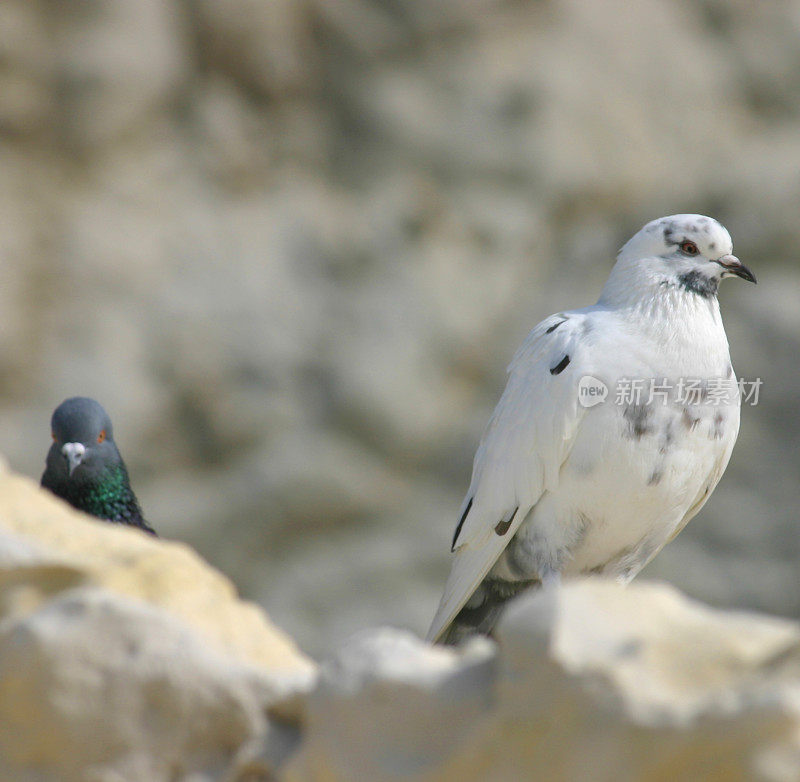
390	707
97	686
590	682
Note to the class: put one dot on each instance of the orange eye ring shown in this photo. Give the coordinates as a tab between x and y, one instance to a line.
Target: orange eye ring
53	435
689	248
101	437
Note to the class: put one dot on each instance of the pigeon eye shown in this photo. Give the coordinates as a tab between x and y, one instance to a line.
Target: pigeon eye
689	248
101	436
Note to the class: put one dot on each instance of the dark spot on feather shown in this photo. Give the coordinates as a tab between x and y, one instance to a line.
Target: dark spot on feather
689	421
719	427
503	526
655	477
461	523
555	326
560	367
695	282
668	438
638	419
712	245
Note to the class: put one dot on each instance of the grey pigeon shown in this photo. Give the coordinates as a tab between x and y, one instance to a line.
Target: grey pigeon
84	466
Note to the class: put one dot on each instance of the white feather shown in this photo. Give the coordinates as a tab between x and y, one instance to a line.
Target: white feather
520	454
574	479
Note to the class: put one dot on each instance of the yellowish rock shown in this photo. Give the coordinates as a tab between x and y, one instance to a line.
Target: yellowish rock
56	547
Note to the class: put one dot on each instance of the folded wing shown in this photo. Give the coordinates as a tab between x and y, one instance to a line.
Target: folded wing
526	441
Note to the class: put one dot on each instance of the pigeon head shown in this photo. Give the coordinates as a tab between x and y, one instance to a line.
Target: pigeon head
691	253
83	440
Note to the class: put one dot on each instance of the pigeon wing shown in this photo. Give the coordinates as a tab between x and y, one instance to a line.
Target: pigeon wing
526	441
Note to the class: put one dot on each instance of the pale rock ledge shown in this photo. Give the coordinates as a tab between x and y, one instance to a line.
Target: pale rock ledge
125	658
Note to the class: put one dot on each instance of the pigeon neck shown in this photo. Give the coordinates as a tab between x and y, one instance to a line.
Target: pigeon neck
658	303
109	497
633	283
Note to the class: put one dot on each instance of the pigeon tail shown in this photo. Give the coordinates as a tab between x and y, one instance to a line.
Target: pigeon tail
484	608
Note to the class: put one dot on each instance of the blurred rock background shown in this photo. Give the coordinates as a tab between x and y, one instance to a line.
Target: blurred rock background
291	246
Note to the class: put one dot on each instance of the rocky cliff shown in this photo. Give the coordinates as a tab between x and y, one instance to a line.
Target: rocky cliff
124	658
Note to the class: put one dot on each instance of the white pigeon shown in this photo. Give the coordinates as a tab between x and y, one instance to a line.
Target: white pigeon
566	482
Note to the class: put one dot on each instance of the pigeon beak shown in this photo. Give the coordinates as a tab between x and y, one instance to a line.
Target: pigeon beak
74	453
732	265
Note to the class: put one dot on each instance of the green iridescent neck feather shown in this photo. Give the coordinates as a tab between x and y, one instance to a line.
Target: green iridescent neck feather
108	497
